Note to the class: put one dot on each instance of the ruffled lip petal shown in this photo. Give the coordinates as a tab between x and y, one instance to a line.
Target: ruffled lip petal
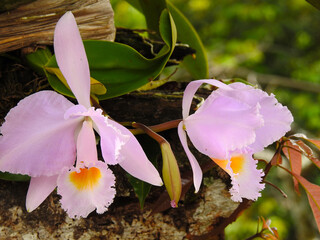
71	58
134	160
39	190
80	202
197	172
246	178
37	140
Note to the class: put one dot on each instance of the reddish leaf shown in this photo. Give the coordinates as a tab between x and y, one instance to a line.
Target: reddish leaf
313	192
293	153
276	159
308	151
315	210
315	142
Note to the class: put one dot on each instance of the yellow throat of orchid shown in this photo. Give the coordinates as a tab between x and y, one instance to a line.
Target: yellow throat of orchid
236	165
86	179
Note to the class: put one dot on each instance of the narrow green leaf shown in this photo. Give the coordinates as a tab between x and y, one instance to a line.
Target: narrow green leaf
14	177
152	151
197	65
140	188
120	68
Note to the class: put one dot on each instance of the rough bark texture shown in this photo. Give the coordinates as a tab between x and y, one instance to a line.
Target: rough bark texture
33	24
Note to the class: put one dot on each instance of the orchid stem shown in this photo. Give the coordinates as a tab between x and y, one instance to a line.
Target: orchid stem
282	192
155	128
149	131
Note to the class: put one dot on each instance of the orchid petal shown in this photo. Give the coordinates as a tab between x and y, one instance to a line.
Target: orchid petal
197	172
111	139
83	192
246	178
37	140
223	124
277	118
75	111
71	58
191	90
86	145
134	160
39	190
277	121
247	184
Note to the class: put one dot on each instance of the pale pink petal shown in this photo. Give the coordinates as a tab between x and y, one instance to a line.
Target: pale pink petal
75	111
277	118
71	58
37	140
39	190
246	178
192	88
197	172
223	124
119	146
96	193
86	145
111	138
134	160
277	121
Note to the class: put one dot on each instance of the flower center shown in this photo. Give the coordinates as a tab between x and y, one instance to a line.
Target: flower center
236	163
85	179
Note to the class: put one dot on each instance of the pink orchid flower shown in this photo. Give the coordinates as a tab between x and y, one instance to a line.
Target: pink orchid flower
232	124
45	133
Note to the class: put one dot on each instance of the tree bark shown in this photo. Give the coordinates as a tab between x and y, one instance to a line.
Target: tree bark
33	24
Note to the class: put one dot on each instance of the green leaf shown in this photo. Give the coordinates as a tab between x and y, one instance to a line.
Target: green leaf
38	59
198	65
96	87
152	150
152	10
14	177
120	68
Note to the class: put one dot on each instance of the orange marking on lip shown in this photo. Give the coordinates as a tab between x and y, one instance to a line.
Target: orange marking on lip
86	178
236	163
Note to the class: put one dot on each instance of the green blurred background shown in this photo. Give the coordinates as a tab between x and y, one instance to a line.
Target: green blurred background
274	44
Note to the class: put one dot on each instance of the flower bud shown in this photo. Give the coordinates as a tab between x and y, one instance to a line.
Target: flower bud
171	173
